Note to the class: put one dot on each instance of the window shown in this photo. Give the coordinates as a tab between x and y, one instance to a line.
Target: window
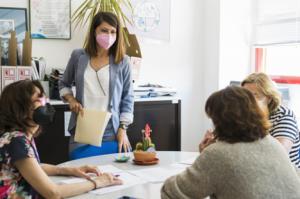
276	38
281	62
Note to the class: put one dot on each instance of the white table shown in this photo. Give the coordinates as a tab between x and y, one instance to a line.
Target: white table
145	191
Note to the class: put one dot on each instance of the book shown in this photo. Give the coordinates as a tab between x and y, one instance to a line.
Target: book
90	126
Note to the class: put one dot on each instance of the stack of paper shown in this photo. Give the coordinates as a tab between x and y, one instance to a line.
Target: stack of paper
128	179
144	91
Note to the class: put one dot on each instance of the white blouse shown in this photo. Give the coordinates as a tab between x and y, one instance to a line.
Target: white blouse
96	88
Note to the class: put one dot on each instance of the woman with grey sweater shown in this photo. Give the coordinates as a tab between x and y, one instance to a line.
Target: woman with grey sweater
244	162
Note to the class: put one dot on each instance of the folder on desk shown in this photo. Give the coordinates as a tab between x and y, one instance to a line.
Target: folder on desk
90	126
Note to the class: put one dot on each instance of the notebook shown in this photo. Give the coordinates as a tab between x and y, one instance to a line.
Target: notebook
90	126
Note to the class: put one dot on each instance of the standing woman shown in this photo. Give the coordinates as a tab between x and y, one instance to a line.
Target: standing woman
284	125
102	77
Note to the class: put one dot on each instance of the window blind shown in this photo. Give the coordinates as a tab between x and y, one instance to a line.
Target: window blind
276	22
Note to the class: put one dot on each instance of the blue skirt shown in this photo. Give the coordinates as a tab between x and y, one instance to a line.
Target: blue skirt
109	145
84	151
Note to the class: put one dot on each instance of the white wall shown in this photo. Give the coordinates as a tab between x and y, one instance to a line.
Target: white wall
226	46
14	3
211	54
235	40
179	64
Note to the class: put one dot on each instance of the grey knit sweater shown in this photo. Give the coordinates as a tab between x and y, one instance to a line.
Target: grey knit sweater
260	169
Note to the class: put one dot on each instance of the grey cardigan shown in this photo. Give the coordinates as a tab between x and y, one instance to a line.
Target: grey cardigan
121	99
255	170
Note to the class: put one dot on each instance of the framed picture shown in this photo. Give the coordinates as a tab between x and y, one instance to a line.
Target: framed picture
12	19
50	19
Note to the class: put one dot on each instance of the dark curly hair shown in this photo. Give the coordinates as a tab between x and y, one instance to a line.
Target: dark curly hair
236	115
16	105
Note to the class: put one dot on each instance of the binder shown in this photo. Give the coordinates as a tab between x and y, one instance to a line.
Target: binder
23	72
8	75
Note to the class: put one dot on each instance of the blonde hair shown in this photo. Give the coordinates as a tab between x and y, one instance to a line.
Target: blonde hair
266	86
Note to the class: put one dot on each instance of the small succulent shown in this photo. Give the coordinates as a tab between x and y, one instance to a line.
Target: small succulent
146	144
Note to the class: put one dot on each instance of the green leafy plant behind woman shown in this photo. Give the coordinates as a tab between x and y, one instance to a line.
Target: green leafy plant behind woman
89	8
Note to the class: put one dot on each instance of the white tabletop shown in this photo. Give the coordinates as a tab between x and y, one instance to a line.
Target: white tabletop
146	191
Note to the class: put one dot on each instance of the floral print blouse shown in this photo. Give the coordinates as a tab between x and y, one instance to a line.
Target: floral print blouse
15	146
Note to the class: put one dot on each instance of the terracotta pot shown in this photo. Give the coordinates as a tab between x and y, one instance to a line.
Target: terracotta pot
144	156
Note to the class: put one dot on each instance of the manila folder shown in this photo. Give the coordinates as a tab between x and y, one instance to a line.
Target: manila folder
90	126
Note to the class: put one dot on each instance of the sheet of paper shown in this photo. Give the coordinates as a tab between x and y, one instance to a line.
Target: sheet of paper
189	161
103	168
90	127
72	180
128	179
109	169
180	166
156	175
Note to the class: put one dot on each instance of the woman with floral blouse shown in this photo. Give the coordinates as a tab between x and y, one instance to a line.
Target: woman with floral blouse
22	111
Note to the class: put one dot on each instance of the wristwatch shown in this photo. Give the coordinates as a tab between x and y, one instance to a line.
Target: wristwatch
123	126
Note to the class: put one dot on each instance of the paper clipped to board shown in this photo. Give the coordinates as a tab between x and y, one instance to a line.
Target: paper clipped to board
91	126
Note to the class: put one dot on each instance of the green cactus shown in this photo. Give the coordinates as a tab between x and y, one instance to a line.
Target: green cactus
144	145
139	146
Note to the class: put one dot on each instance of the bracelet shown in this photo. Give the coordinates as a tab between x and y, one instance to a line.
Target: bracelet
94	182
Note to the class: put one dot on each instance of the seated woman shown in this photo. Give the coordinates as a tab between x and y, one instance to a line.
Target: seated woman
241	163
284	125
22	111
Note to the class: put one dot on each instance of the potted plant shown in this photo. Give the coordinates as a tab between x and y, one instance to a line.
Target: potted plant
145	151
89	8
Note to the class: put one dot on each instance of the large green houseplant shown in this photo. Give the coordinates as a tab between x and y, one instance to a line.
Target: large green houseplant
88	8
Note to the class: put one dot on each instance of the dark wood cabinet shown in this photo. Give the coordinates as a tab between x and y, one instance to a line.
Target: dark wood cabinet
164	120
52	144
163	116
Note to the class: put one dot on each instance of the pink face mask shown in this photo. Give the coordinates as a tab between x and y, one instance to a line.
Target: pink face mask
105	40
43	101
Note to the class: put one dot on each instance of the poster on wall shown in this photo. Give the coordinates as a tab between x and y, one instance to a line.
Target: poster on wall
151	19
12	19
50	19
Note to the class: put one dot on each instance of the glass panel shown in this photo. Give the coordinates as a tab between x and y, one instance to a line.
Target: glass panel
283	60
